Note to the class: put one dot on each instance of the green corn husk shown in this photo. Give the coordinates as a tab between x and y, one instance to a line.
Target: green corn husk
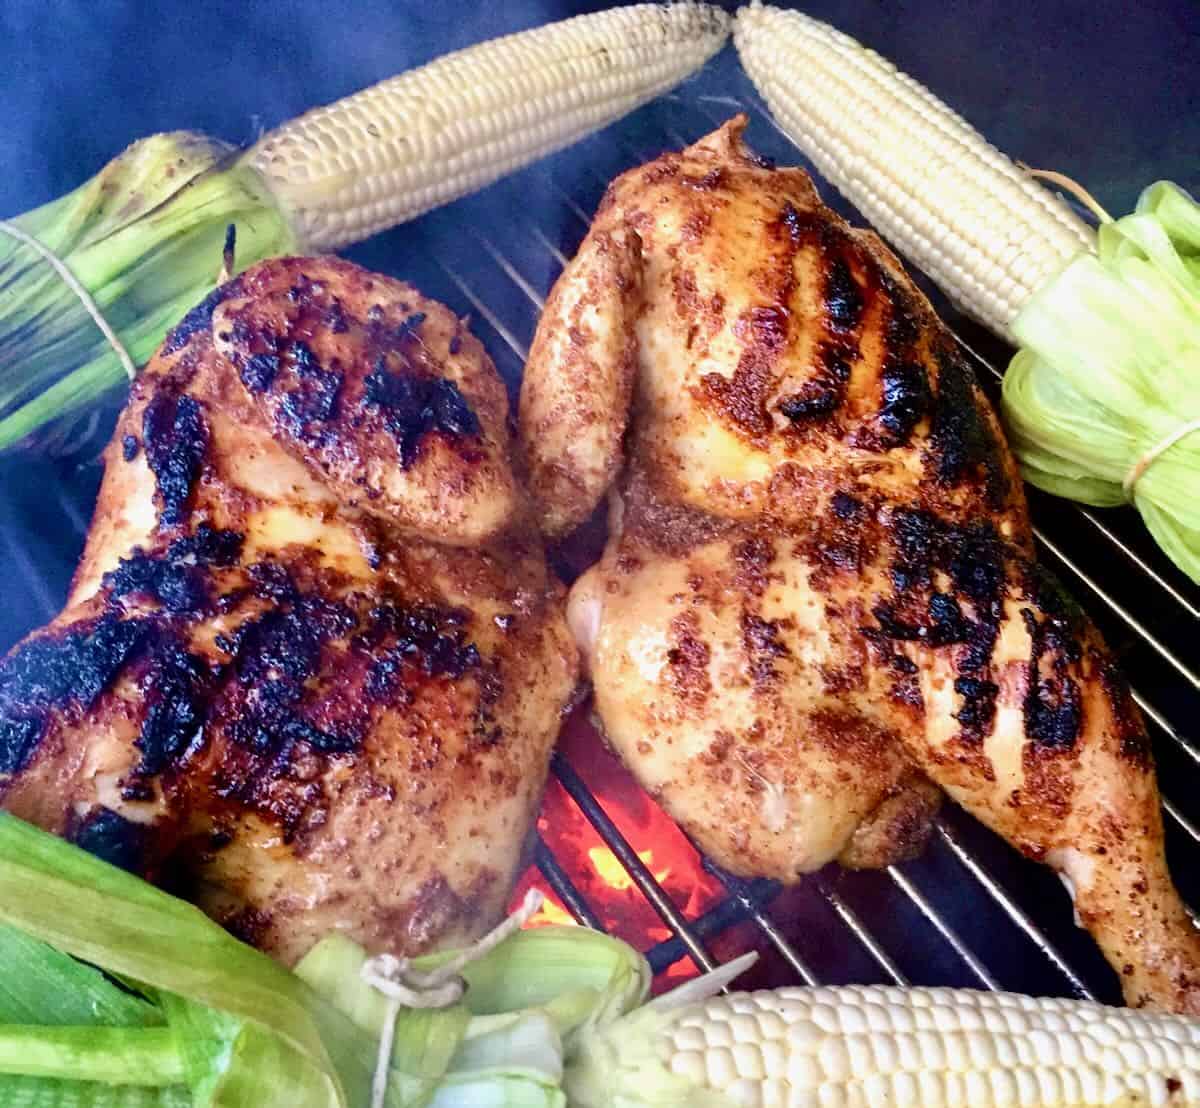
1110	367
146	238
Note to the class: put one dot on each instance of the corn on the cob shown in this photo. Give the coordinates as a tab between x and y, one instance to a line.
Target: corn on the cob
960	210
408	144
331	177
884	1047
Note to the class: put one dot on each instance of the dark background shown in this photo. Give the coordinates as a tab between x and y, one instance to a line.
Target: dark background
1108	93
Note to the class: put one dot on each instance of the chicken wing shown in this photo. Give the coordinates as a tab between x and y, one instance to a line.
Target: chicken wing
818	605
312	663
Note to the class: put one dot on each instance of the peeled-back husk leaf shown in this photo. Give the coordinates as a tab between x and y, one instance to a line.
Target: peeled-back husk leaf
1110	367
96	912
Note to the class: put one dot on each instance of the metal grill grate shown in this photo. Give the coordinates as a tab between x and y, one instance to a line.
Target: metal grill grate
971	912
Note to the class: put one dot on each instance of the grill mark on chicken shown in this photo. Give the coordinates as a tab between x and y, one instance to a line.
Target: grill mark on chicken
307	392
1134	740
177	579
113	838
174	687
175	437
764	648
68	668
414	407
963	442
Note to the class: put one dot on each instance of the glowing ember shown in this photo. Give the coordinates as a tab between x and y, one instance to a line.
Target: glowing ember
596	872
613	874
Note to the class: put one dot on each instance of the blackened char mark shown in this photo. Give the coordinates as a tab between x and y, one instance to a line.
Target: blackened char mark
112	838
824	394
129	447
415	405
313	401
906	399
275	656
175	438
1053	706
843	298
70	667
428	640
974	557
177	579
175	690
258	371
978	709
961	436
1134	740
200	317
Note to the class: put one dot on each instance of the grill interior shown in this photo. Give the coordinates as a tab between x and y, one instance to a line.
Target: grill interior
971	912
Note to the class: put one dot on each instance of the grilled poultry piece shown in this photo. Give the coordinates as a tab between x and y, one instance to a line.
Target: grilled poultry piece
312	663
819	607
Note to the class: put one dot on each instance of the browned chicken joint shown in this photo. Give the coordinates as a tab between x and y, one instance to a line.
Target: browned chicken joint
312	663
818	608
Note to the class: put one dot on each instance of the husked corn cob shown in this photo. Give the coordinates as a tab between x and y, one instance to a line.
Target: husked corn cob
884	1047
987	233
408	144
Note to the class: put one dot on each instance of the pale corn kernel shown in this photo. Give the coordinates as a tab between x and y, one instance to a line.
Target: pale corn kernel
719	1066
933	1090
835	1059
804	1071
748	1061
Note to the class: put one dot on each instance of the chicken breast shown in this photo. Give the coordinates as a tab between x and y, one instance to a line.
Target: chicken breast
312	663
818	607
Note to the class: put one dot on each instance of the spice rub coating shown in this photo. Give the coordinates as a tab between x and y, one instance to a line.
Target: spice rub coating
312	663
819	606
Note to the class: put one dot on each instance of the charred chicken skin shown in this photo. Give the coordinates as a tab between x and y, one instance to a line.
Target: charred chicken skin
312	664
819	608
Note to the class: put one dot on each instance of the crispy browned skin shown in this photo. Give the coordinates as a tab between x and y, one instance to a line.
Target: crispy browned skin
312	664
818	595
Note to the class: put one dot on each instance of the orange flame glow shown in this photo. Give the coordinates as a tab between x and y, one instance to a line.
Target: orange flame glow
593	868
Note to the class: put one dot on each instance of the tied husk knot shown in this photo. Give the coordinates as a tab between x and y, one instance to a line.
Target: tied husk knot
1103	398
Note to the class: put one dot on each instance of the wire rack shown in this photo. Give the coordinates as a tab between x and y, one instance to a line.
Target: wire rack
971	912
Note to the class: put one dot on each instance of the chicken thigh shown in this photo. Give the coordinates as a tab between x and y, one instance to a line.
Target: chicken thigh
818	607
312	663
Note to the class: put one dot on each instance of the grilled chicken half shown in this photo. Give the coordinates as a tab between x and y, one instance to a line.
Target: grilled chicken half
312	663
819	607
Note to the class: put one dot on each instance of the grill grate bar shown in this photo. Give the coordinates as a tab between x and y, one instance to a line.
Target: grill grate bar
29	572
943	928
666	908
741	891
1128	617
510	271
1014	910
480	305
862	933
1181	819
564	888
